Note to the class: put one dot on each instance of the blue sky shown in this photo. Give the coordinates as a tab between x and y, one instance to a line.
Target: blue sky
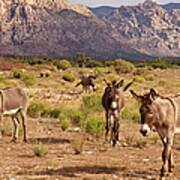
116	3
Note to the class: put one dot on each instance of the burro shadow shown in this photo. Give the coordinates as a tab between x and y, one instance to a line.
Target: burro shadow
47	140
70	171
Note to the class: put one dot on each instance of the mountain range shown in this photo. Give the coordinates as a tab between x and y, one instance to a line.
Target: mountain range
59	29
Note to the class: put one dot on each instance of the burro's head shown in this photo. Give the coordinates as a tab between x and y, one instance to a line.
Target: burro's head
147	110
113	92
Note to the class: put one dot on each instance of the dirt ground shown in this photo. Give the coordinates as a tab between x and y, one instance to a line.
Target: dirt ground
135	158
98	161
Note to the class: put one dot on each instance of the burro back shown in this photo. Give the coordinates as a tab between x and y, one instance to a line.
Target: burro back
14	101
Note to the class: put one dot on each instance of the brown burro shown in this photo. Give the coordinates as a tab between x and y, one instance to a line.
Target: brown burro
113	101
87	82
13	100
163	114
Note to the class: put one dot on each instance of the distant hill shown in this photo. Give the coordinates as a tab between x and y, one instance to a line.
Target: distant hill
148	26
59	29
171	6
103	10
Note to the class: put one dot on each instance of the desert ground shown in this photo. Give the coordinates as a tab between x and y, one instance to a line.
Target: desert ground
134	158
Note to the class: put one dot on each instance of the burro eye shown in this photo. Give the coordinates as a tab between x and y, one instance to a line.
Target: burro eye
151	112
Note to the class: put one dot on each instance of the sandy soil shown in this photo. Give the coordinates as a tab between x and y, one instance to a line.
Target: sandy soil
98	161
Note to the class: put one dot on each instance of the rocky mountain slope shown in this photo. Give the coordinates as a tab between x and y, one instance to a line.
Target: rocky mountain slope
57	28
148	26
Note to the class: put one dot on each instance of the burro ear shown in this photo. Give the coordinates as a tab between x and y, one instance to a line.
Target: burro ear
108	84
153	94
137	97
120	84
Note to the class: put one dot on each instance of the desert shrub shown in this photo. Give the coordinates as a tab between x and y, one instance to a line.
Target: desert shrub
130	138
78	144
122	66
140	71
136	117
76	116
6	82
138	79
149	77
81	72
93	102
68	77
161	83
35	60
39	149
35	109
17	73
95	126
64	124
155	138
141	143
55	112
64	64
28	78
99	72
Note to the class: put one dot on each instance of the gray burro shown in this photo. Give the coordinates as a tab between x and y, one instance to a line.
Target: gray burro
162	113
14	101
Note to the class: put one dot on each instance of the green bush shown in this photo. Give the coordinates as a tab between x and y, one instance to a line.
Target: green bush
76	116
138	79
35	109
54	113
17	73
95	126
122	66
40	150
93	103
162	83
68	77
78	144
149	77
64	124
64	64
28	79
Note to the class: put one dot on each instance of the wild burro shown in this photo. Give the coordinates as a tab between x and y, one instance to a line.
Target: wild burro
113	101
88	82
14	100
162	113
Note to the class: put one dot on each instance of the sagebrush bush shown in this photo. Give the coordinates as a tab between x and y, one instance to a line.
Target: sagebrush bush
26	77
76	116
93	103
95	126
78	144
68	77
161	82
138	79
39	149
36	108
64	124
64	64
122	66
149	77
17	73
55	112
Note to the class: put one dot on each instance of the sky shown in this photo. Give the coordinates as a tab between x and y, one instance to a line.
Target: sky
116	3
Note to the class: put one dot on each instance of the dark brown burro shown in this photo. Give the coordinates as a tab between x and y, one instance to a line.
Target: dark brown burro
14	100
163	114
113	101
87	82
